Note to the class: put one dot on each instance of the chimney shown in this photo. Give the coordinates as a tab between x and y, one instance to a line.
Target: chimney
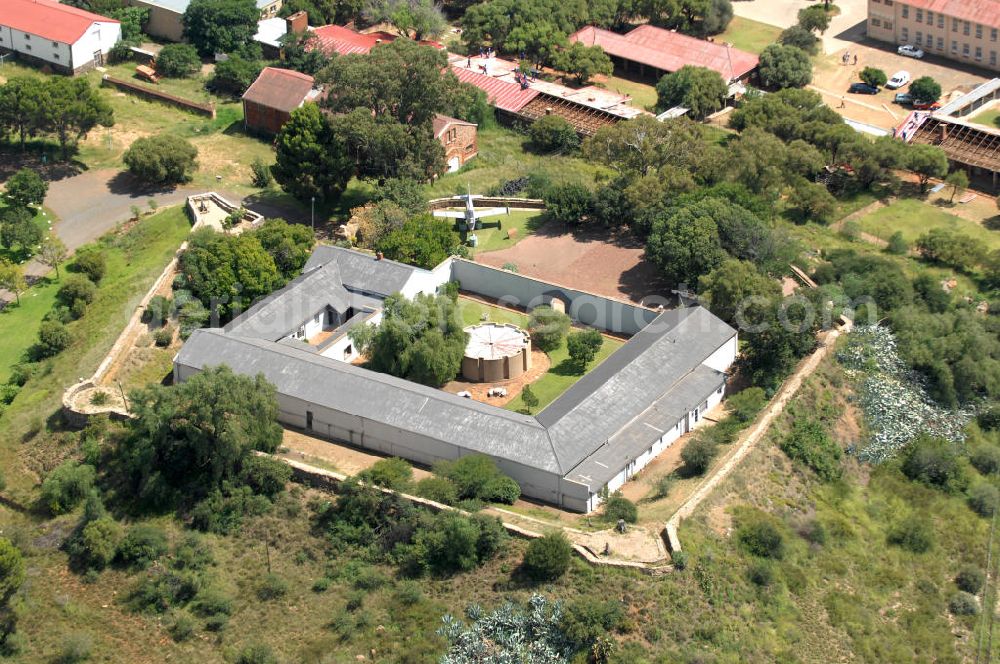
296	23
944	131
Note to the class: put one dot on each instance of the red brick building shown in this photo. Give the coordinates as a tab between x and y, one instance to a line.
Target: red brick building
458	138
269	102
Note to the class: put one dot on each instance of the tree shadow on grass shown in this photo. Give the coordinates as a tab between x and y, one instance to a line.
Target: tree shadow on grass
993	223
124	183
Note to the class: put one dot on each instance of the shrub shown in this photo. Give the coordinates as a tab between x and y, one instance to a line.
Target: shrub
193	553
963	604
584	621
697	455
143	544
679	559
983	498
392	473
553	132
547	327
501	489
761	573
75	648
265	475
76	287
809	443
935	462
898	245
271	587
761	537
618	507
234	76
912	534
91	262
985	458
161	159
970	579
321	585
158	310
583	347
989	419
257	654
8	393
548	557
21	373
98	542
408	593
164	336
261	171
223	513
438	489
66	486
212	602
472	475
744	405
178	61
569	203
182	628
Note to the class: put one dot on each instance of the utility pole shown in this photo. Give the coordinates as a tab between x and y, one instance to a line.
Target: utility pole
312	214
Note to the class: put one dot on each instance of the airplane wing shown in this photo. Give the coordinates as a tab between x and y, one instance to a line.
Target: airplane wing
453	214
490	212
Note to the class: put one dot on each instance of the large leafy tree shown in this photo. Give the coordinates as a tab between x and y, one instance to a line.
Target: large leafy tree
24	188
161	159
784	66
643	145
220	26
583	62
311	160
22	104
699	89
693	17
927	161
730	286
684	243
382	148
925	88
419	19
189	439
515	25
72	109
422	241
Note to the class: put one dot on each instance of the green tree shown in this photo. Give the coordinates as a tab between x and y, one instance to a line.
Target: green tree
810	201
583	347
423	241
643	146
548	557
569	203
178	61
162	159
220	26
958	181
289	245
392	473
12	279
189	439
729	286
529	399
72	109
66	486
799	37
778	332
18	229
52	252
927	161
53	338
873	77
809	443
547	327
22	106
761	537
814	18
302	52
25	187
383	148
935	462
91	261
552	133
583	62
234	76
618	507
311	161
697	455
699	89
684	243
925	88
784	66
418	19
12	568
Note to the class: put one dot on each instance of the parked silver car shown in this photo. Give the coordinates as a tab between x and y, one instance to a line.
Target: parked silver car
910	51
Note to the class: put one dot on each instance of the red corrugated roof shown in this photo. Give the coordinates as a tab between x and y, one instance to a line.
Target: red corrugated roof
47	19
338	39
281	89
502	94
669	51
986	12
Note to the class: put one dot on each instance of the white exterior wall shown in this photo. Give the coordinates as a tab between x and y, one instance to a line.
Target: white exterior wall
427	281
724	357
99	36
335	351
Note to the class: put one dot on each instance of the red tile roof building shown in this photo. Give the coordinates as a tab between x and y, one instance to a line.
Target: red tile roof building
655	51
963	30
344	41
458	138
269	102
67	39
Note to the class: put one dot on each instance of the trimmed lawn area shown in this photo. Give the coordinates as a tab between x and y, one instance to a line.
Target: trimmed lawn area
988	118
643	94
134	260
504	155
749	35
492	238
473	311
914	218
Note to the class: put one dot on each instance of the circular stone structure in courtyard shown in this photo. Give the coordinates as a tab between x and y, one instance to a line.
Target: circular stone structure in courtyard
496	351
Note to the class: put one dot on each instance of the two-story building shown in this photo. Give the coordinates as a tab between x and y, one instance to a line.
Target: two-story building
64	38
963	30
458	138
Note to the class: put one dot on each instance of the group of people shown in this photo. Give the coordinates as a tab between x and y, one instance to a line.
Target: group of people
846	59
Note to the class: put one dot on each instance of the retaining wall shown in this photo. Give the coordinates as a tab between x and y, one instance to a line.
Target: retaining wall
487	201
156	95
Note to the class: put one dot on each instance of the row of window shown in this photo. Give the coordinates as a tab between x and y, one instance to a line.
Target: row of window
930	18
27	37
928	42
884	23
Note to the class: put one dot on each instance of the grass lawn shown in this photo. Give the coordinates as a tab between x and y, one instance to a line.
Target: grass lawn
472	312
504	155
749	35
492	238
643	94
988	118
914	218
134	260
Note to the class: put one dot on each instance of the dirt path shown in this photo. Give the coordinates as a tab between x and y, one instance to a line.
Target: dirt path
755	433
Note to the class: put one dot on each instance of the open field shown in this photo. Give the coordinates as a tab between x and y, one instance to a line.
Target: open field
913	218
749	35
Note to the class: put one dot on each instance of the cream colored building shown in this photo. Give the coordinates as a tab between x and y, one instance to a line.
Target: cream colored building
962	30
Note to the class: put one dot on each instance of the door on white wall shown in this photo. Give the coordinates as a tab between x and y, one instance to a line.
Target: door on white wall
454	164
98	59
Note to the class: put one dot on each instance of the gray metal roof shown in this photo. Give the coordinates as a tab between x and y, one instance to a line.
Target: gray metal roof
410	407
627	444
362	272
621	387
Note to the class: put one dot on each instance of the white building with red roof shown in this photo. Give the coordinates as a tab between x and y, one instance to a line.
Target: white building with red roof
653	52
67	39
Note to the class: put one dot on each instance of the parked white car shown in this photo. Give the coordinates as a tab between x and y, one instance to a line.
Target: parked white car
898	80
910	51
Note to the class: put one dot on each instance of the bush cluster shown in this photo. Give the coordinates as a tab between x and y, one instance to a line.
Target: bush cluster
476	477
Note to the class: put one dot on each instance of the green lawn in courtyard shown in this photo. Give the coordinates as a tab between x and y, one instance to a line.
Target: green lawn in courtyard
988	118
643	94
749	35
472	312
491	237
914	218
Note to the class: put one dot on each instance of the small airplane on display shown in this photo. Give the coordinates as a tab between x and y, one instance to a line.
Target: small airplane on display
470	215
